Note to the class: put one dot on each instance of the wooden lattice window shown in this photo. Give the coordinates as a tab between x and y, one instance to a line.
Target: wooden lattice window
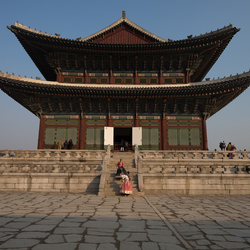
93	80
168	80
184	136
179	80
53	135
78	80
150	138
94	138
118	80
104	80
128	80
143	80
153	80
67	79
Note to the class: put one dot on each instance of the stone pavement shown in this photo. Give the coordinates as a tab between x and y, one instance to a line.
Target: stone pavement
77	221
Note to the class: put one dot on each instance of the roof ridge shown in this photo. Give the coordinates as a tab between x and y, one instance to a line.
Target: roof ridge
19	25
129	22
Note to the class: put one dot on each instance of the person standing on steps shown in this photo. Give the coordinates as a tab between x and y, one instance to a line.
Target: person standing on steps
120	169
122	146
126	185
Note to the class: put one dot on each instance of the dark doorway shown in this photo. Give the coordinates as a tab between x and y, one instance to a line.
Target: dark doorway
124	134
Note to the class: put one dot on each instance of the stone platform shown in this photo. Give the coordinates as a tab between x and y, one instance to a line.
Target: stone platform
41	221
152	172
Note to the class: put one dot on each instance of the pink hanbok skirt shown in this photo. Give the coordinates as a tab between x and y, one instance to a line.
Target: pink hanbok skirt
126	187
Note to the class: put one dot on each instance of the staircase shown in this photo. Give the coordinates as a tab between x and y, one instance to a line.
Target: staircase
112	186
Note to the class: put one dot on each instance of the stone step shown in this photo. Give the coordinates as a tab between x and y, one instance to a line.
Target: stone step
117	193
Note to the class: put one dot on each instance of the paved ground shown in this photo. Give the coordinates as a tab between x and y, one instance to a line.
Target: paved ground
75	221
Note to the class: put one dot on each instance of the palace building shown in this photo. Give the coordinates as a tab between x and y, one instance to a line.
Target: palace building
124	83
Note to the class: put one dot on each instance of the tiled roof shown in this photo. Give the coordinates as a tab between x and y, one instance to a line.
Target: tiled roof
7	80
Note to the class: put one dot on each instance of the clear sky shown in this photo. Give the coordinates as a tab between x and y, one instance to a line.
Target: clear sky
174	19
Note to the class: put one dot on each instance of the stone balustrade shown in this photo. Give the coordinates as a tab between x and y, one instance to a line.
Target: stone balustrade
193	172
51	161
45	153
192	154
193	162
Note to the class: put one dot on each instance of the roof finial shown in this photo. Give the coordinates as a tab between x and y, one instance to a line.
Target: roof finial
123	14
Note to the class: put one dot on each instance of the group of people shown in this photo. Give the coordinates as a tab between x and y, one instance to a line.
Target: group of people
121	173
65	145
229	147
124	146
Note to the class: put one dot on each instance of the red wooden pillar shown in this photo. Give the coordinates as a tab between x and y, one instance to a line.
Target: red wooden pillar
41	134
164	134
82	133
109	121
204	135
160	75
136	120
136	79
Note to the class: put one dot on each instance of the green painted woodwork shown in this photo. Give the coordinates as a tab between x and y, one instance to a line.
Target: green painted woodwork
50	122
150	139
61	134
195	136
183	123
184	136
95	122
149	123
122	123
50	135
195	123
94	138
53	135
183	118
62	122
173	136
172	123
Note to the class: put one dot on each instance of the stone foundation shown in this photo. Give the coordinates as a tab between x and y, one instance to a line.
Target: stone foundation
158	172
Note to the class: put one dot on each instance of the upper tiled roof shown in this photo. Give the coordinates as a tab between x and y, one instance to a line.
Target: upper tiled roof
198	53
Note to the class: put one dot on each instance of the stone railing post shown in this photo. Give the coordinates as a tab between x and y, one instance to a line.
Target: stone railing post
104	170
108	154
136	155
139	173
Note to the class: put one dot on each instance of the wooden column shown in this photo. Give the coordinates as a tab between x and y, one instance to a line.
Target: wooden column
136	80
82	133
111	78
160	75
41	134
187	75
86	76
164	134
204	135
109	121
136	120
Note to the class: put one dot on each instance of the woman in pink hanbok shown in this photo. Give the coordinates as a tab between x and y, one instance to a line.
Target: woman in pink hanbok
126	186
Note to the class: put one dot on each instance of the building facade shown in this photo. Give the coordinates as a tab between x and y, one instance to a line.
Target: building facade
124	83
